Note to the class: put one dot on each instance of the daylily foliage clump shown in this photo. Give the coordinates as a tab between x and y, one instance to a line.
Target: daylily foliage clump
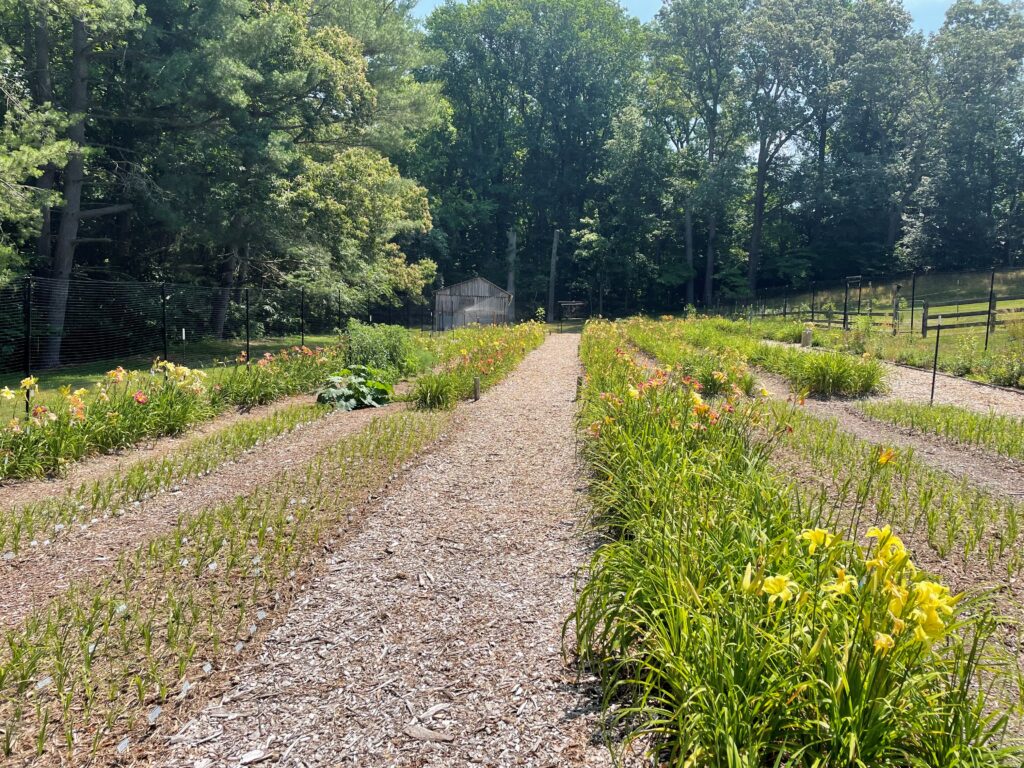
127	406
735	625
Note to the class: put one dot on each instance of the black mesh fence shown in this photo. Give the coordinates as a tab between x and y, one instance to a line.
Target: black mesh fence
47	324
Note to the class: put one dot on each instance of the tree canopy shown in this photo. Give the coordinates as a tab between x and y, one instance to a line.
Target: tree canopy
726	147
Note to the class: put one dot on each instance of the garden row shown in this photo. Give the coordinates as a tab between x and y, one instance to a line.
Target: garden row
961	352
738	621
827	374
95	671
125	407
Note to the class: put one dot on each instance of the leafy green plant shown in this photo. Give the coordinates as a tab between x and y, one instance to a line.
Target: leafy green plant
436	391
390	349
735	624
358	386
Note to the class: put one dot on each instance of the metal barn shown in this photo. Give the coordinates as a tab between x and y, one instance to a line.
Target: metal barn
476	300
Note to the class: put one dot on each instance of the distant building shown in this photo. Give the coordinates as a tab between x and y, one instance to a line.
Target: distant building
476	300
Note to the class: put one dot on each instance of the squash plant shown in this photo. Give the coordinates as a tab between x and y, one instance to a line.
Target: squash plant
357	386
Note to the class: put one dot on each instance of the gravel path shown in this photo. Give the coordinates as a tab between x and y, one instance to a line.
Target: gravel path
434	638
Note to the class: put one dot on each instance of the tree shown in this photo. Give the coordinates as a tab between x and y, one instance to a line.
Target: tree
698	45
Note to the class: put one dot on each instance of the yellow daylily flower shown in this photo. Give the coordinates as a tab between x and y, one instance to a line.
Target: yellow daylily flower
80	392
883	643
886	456
29	382
781	588
843	585
817	537
890	550
6	393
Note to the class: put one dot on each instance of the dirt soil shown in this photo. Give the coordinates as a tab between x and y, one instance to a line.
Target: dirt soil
985	469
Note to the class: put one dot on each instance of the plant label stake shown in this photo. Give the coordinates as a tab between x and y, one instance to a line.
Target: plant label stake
935	360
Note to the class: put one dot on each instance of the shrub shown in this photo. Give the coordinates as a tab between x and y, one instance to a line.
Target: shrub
388	348
355	387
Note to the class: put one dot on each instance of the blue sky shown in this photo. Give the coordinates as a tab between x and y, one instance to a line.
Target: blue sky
928	14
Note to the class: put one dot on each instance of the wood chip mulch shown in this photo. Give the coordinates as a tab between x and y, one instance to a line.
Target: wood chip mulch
434	636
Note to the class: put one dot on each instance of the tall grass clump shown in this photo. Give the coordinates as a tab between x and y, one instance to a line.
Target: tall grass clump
735	627
826	373
1002	434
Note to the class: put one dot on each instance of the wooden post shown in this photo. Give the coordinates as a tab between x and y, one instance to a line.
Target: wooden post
913	297
846	307
476	387
248	351
28	340
895	310
924	320
990	320
935	361
163	319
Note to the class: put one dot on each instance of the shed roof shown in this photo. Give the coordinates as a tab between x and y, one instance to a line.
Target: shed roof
487	288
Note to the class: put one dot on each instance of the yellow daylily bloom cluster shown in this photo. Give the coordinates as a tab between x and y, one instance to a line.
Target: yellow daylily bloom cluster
890	551
843	584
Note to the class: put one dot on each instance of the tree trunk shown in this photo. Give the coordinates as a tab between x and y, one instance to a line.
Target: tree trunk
510	261
551	278
219	316
709	261
757	225
42	90
74	178
243	273
123	246
691	297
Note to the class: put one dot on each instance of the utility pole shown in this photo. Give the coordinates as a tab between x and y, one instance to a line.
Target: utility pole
551	283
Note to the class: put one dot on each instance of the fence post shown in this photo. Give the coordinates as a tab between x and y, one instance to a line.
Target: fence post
896	310
248	357
814	295
476	387
924	320
913	296
302	315
785	306
341	325
163	319
846	307
990	319
935	361
28	339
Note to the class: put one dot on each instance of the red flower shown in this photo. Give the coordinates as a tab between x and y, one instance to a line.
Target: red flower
140	397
